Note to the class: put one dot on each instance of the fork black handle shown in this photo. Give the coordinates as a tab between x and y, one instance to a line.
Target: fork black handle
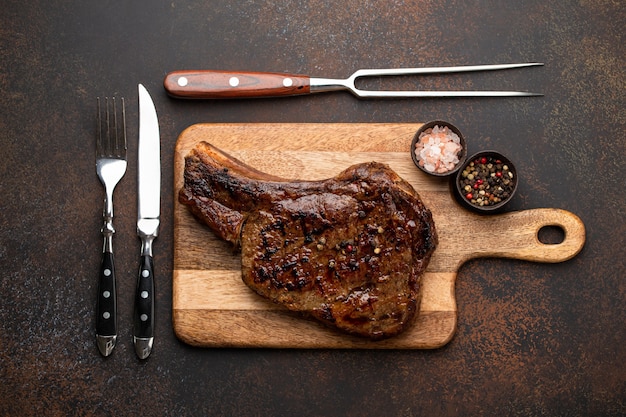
144	308
106	308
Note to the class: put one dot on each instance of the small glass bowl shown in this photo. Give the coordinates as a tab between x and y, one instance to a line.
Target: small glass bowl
461	154
486	182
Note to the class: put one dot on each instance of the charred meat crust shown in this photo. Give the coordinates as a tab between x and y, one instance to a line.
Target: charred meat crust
349	250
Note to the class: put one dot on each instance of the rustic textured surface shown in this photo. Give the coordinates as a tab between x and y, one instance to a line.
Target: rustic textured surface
533	339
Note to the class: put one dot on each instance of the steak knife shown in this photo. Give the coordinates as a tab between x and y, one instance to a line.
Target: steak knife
148	211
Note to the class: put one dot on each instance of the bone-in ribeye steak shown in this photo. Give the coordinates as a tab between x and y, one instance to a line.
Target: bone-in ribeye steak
350	250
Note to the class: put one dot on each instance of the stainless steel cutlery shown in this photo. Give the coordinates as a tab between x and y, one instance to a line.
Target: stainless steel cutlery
148	211
110	167
243	84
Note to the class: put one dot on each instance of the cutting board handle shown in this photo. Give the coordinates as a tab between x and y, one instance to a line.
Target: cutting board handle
516	235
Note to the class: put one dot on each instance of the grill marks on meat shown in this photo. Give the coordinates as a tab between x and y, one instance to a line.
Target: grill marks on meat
350	250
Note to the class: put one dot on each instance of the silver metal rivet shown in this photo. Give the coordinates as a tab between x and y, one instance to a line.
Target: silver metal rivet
183	81
144	294
145	273
287	82
106	294
144	317
106	315
234	81
107	272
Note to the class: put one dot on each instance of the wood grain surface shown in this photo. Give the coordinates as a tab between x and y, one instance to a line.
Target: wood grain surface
212	307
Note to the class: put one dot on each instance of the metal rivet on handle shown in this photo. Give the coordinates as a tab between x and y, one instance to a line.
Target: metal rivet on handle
183	81
287	82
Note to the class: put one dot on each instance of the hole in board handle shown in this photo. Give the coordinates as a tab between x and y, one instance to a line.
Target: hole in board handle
551	235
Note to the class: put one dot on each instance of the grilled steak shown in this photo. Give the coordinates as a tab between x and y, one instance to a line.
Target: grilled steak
350	250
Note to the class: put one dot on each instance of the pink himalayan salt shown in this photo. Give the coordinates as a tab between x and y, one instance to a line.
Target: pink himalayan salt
437	149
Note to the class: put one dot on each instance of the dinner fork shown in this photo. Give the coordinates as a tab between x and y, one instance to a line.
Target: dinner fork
110	167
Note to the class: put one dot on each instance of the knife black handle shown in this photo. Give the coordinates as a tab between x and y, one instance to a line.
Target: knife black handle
106	308
144	300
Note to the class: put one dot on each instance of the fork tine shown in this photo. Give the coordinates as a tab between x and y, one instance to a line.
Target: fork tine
439	70
123	136
99	148
108	145
115	141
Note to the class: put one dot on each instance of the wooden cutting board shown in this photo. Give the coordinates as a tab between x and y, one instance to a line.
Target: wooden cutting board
212	307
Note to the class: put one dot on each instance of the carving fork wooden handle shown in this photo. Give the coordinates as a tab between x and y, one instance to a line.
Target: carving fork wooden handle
205	84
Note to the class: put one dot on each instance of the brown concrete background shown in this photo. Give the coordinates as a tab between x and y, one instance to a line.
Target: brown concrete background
533	339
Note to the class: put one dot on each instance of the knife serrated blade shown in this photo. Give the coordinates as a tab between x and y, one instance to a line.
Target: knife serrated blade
148	211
